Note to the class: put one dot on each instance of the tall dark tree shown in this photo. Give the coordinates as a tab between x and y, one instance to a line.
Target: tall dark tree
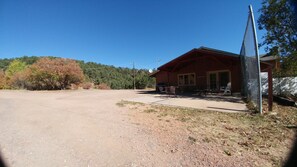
278	19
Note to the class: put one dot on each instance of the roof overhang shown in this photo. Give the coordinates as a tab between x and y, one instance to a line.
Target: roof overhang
153	74
194	54
202	52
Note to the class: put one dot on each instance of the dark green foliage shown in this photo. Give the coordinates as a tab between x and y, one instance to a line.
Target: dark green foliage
142	81
28	60
114	77
278	18
4	63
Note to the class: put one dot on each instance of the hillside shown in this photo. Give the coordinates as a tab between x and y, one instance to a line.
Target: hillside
115	77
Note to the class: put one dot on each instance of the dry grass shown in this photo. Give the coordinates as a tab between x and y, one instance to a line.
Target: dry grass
267	136
124	103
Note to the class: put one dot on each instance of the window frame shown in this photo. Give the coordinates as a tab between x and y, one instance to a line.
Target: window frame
179	83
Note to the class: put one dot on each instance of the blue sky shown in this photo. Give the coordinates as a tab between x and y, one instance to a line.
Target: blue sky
120	32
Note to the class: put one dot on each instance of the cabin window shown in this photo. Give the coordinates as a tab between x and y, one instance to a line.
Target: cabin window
186	79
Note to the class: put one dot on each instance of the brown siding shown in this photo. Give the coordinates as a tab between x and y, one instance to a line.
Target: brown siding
161	77
236	77
200	67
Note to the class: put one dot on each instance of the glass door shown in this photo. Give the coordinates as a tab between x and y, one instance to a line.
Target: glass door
213	81
224	79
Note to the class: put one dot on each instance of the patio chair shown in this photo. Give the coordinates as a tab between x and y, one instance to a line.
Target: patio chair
171	90
162	89
227	89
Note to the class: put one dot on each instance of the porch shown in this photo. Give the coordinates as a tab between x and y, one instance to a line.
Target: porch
206	70
210	102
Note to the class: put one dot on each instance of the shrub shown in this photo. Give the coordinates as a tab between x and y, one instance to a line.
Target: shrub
19	80
114	77
74	86
87	85
14	75
102	86
141	81
54	73
2	80
15	67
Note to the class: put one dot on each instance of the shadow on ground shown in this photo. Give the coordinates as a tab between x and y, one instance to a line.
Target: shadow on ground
211	97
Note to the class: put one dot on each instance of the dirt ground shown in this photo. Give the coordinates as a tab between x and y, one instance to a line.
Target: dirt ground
93	128
220	103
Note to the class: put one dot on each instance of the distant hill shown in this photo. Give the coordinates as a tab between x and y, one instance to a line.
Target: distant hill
115	77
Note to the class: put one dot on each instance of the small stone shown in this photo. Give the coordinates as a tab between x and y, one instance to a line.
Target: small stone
174	150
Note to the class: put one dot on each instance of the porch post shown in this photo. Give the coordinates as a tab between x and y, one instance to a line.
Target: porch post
270	89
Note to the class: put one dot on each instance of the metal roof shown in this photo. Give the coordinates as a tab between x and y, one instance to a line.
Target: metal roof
201	49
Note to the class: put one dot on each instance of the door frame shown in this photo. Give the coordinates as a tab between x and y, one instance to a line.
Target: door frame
217	77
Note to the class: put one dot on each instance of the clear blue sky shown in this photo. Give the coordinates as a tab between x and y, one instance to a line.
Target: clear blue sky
118	32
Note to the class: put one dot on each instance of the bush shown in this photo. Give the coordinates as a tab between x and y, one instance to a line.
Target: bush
74	86
19	80
47	73
102	86
87	85
15	77
15	67
2	80
53	74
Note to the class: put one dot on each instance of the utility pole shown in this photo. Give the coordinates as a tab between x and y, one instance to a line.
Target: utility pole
133	76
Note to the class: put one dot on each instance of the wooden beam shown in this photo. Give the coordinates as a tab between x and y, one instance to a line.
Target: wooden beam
270	89
219	61
183	62
192	59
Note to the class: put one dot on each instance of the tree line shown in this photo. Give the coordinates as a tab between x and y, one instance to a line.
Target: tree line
54	73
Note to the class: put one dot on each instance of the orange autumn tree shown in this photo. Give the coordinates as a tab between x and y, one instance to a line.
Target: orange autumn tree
53	74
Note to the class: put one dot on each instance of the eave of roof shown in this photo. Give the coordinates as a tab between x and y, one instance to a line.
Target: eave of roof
219	51
154	73
268	58
201	49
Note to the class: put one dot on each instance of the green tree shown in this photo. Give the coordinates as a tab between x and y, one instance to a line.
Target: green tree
143	80
278	19
2	80
4	63
15	67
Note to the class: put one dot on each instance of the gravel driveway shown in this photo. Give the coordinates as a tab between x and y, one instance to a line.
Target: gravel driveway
72	128
88	128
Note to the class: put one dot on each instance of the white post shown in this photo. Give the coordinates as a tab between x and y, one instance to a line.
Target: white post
258	59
